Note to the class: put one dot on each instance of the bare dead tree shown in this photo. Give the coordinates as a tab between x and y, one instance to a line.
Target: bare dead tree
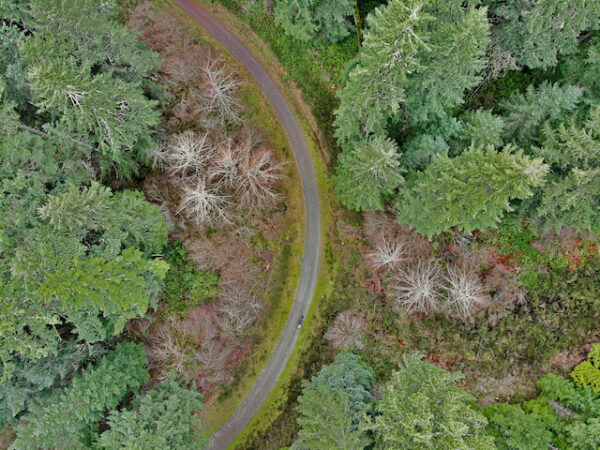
259	174
220	92
346	331
239	308
166	350
387	254
417	289
187	153
500	60
158	154
181	68
210	366
464	293
201	204
224	170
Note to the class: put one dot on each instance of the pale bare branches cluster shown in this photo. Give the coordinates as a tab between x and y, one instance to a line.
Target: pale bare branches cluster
259	173
219	170
240	308
346	331
186	153
417	288
388	254
202	204
250	173
220	93
418	281
464	293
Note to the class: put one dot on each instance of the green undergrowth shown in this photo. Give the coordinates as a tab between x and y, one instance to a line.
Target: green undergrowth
185	287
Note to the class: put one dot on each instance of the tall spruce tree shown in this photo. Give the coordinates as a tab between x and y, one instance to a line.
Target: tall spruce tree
469	192
409	47
526	113
164	418
333	403
368	174
68	418
307	19
422	408
537	32
572	196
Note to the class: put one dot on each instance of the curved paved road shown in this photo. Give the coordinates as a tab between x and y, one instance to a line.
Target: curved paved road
312	245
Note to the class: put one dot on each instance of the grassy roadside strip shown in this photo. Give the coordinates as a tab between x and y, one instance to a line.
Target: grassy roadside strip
282	286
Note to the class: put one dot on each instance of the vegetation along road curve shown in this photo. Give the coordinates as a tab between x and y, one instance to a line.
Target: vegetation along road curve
310	264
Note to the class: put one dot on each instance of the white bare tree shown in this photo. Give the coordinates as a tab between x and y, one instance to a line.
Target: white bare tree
239	308
224	170
158	154
188	153
464	293
417	289
166	349
220	92
259	174
346	331
202	204
388	254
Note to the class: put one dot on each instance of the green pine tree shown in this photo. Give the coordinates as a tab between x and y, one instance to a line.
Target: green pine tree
472	191
422	408
68	418
538	32
164	418
368	174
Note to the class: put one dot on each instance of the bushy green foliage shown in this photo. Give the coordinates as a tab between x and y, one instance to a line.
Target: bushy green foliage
75	256
121	220
527	112
408	48
578	398
68	417
565	416
32	380
472	191
537	32
572	197
582	68
165	417
422	408
587	373
351	375
481	128
584	435
332	404
429	140
185	287
118	288
326	421
512	428
305	19
86	75
368	174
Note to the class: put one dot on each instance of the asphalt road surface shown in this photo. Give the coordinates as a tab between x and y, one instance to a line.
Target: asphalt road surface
312	245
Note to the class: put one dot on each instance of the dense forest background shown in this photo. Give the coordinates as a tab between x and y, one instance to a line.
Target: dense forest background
144	223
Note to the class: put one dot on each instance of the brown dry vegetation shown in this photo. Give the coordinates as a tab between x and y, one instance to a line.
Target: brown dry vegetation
218	180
